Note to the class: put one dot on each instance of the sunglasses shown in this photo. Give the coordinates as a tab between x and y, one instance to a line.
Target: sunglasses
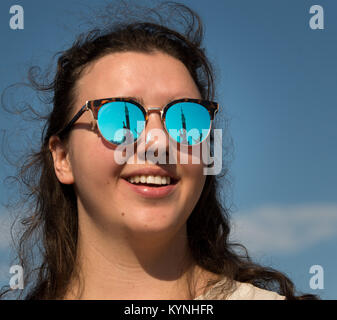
120	120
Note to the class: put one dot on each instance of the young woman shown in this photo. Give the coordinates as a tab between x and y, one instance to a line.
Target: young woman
135	229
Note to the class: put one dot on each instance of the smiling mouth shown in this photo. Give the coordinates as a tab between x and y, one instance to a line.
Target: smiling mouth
151	188
153	185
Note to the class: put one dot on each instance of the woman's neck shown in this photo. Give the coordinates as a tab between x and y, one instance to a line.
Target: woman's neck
125	266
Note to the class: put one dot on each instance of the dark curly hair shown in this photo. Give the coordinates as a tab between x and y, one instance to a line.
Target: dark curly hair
51	222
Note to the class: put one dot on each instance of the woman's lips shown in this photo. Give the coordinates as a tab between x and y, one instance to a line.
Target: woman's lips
149	191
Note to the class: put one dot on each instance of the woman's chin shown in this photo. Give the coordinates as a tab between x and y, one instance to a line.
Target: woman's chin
152	221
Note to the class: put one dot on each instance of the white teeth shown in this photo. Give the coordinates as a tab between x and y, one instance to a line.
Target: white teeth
157	180
150	179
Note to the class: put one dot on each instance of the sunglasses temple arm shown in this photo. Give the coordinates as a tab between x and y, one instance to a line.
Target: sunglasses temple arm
73	120
213	112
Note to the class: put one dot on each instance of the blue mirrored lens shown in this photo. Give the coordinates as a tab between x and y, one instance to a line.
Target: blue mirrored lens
188	122
120	122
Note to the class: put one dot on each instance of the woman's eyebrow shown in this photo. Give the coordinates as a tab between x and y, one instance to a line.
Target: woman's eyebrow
141	101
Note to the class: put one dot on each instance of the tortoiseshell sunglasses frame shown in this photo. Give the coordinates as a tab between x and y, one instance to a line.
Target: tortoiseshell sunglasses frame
94	106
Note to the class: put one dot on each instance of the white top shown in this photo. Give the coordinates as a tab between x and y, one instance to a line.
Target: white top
243	291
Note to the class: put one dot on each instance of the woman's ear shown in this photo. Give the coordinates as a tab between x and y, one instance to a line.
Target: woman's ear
62	165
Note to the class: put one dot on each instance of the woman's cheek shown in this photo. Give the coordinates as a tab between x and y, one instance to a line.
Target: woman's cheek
196	179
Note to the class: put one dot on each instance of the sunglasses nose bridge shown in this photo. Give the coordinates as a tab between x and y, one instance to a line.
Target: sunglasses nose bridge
153	125
154	110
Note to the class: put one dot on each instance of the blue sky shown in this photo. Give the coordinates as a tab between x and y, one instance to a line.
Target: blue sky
276	82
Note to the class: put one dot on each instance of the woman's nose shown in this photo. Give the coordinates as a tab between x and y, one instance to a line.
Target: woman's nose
156	138
154	131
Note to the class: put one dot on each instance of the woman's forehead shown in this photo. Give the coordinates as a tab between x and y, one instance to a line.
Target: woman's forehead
135	74
126	65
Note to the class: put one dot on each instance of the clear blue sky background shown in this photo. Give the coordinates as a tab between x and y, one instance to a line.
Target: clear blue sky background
277	82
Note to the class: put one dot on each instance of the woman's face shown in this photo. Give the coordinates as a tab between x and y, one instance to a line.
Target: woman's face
104	195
